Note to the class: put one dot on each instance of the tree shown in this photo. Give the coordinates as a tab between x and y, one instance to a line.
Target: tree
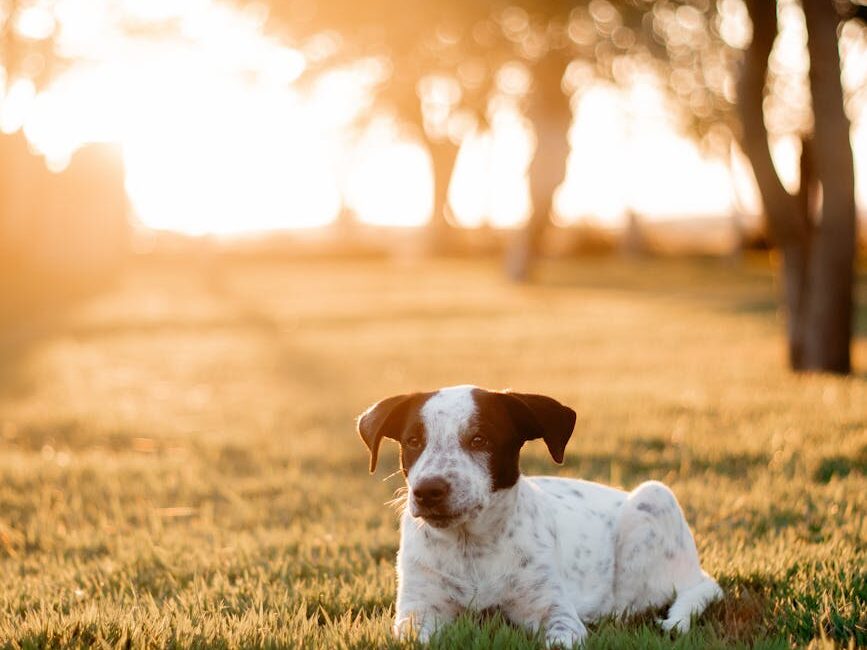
59	233
428	40
815	230
549	110
817	242
448	38
682	41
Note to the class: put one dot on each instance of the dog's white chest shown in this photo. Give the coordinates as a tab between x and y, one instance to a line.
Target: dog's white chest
475	573
484	575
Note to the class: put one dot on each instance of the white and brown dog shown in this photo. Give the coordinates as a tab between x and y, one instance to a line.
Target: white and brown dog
549	553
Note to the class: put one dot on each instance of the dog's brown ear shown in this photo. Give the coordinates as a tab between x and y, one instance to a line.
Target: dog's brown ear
538	416
385	419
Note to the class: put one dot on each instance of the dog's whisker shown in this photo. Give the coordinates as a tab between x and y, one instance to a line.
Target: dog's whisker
398	502
392	475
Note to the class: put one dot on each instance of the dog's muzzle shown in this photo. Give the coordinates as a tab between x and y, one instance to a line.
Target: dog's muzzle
430	501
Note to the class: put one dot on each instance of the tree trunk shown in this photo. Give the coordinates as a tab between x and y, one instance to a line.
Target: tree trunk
550	111
443	154
831	275
817	261
439	234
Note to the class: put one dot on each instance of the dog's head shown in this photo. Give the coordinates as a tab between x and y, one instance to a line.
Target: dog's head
460	445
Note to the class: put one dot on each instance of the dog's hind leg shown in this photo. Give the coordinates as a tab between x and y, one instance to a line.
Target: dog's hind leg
690	602
657	559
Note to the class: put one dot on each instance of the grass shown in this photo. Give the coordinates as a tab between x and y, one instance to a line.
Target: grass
179	467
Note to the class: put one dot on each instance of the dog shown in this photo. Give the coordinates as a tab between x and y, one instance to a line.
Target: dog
549	553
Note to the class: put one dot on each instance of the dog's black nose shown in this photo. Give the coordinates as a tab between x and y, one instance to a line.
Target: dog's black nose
431	492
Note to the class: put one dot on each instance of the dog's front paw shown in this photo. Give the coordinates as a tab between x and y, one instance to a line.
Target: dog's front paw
565	634
678	624
409	628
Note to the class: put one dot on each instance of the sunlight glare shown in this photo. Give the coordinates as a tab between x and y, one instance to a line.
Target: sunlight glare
628	157
236	169
489	185
35	22
389	183
16	105
218	140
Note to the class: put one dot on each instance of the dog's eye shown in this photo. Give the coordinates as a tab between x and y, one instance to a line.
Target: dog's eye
478	442
413	442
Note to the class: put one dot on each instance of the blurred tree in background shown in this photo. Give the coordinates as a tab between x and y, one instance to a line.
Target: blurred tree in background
451	64
438	61
59	233
67	232
816	237
468	47
815	228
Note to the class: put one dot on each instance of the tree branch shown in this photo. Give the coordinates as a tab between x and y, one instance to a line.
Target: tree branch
787	221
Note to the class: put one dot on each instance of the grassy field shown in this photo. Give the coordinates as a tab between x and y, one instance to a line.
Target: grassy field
179	465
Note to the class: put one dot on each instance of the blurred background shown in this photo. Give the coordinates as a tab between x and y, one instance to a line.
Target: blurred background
133	126
136	127
507	132
240	118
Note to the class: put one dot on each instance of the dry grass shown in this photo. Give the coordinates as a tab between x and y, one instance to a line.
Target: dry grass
178	463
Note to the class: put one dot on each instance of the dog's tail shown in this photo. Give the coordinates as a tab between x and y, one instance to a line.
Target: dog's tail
691	602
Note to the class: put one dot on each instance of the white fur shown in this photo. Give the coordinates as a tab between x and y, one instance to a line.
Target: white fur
446	416
550	553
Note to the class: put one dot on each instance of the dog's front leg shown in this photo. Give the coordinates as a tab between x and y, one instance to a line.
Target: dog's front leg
423	606
416	624
563	628
420	621
551	614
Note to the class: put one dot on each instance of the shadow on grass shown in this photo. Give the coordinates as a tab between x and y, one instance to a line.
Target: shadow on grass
492	630
801	604
841	466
